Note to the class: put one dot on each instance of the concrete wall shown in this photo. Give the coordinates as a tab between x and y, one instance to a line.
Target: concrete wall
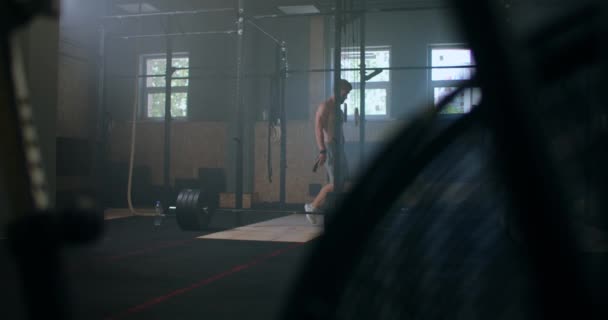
194	145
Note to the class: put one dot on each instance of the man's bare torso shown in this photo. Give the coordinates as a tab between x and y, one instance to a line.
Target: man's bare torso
328	122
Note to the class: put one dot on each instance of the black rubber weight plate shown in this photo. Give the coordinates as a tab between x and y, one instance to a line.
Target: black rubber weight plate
186	219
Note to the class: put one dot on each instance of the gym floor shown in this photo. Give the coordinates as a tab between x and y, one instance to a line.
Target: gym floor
139	271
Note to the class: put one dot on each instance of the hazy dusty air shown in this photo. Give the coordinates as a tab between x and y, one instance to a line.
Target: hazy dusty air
194	161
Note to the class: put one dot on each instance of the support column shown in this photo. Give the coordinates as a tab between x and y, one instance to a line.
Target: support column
239	140
339	22
362	88
168	120
283	120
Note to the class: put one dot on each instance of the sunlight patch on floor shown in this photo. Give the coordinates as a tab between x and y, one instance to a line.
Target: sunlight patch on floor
291	228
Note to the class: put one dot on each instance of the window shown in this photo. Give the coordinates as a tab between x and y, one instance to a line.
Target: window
153	93
447	73
377	91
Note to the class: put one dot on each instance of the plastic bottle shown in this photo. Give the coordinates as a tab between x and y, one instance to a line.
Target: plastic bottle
159	215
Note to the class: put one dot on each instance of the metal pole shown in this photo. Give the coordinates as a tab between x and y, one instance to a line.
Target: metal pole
283	119
239	106
167	13
337	76
266	33
177	34
362	88
168	118
381	68
335	12
203	76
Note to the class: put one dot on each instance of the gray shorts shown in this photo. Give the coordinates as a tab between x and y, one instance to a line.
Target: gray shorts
331	163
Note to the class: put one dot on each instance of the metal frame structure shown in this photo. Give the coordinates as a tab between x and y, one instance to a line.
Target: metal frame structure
338	135
239	105
363	85
179	34
242	18
362	11
339	16
168	119
168	13
283	73
168	77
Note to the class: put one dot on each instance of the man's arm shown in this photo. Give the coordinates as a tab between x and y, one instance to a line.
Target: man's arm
320	122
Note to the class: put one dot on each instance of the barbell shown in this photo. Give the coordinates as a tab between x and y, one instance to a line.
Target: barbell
194	209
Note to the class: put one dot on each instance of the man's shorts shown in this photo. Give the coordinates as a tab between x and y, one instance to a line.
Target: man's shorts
331	163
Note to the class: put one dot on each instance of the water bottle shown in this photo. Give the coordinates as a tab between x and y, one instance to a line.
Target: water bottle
159	215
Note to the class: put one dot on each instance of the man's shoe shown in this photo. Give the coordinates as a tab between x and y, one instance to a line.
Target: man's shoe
311	217
309	208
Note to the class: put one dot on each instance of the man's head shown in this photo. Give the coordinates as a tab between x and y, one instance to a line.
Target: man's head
345	88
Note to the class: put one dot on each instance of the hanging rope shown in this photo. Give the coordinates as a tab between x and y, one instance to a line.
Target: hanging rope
134	119
272	122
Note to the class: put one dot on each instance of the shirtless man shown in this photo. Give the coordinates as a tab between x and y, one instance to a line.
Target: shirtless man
325	122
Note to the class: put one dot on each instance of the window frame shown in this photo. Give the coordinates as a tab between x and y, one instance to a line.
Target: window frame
386	85
433	84
145	91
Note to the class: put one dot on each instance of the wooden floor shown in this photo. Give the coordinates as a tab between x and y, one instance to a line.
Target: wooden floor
292	228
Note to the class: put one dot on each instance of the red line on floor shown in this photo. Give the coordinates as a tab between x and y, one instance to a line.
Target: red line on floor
155	301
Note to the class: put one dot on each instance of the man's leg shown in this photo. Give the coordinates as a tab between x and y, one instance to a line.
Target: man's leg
320	198
323	199
314	207
319	201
